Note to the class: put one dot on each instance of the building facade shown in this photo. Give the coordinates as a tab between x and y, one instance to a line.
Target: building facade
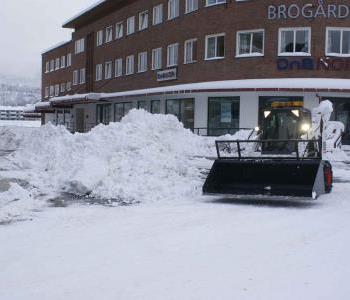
213	63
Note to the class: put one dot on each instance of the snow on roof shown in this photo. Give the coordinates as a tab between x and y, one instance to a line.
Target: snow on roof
12	108
285	83
55	46
42	105
84	11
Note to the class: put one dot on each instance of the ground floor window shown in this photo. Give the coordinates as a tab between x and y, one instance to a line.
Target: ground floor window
121	109
155	106
183	109
223	115
265	102
146	105
103	114
64	117
341	113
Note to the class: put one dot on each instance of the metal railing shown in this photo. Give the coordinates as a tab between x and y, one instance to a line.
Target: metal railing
217	131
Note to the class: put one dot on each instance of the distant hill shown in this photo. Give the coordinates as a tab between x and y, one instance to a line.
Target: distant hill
16	91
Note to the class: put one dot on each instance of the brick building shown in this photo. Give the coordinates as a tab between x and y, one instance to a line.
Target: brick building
213	63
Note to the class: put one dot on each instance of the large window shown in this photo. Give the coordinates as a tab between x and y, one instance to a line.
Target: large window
146	105
294	41
157	59
215	46
109	34
130	25
129	65
223	115
79	46
119	30
158	14
183	109
142	62
103	114
173	55
341	113
250	43
155	106
190	51
338	42
173	9
191	5
143	20
121	109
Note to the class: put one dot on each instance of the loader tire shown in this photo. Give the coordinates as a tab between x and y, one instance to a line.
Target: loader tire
328	177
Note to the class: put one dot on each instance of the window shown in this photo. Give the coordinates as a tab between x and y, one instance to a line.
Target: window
69	59
215	46
158	14
63	87
155	106
103	113
52	65
47	69
172	57
183	109
118	67
143	20
75	77
79	46
157	59
190	50
57	64
144	105
130	25
69	86
173	9
52	91
108	70
63	62
57	90
119	30
46	92
338	42
99	38
191	5
98	72
250	43
121	109
82	76
142	63
109	34
129	65
214	2
294	41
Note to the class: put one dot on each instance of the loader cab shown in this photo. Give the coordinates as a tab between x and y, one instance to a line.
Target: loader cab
284	121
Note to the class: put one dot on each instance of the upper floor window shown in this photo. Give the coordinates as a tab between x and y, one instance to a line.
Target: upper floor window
69	86
214	2
98	72
63	87
158	14
57	64
79	46
191	5
47	92
173	55
82	76
129	65
109	34
157	59
57	90
118	67
52	65
190	50
338	42
143	20
63	61
99	38
108	70
130	25
142	63
294	41
69	59
119	30
215	46
47	69
75	77
250	43
173	9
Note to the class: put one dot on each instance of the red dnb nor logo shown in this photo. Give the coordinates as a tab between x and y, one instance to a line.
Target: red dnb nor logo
328	64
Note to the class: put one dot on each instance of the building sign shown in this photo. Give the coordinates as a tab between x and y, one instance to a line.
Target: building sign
321	63
170	74
308	11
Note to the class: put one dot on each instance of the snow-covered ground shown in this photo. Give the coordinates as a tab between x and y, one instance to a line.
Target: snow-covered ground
141	228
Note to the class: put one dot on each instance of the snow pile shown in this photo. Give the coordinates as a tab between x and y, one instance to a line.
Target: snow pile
144	157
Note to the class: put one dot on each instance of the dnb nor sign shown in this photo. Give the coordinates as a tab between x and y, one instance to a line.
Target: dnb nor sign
311	64
309	11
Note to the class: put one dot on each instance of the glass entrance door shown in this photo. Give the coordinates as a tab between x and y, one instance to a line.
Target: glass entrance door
183	109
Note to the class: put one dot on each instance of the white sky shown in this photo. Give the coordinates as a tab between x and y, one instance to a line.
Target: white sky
27	27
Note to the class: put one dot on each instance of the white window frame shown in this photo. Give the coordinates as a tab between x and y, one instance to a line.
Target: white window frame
185	51
141	25
108	69
109	34
130	25
69	59
118	67
52	91
172	14
99	38
69	86
251	54
63	87
157	17
176	59
119	28
75	77
157	65
217	2
130	71
82	76
142	62
79	46
57	64
191	6
47	68
341	29
57	90
63	62
99	71
52	65
206	46
294	29
47	92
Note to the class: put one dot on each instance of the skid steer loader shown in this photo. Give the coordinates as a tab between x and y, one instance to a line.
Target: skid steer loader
281	161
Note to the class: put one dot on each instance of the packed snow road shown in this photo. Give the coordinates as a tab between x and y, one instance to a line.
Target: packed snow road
168	241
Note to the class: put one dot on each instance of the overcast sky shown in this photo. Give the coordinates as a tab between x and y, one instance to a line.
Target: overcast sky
27	27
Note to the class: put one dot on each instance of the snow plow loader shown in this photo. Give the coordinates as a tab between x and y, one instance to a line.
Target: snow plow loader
281	161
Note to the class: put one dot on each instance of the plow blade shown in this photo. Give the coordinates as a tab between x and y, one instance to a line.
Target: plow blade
294	178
